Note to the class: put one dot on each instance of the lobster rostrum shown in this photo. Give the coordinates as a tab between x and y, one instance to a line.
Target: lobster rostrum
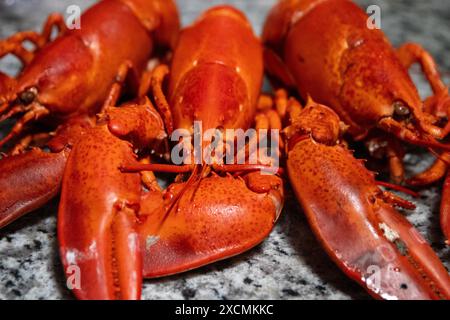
65	82
215	77
354	220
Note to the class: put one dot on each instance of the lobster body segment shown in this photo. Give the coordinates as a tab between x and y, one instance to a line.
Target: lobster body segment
354	220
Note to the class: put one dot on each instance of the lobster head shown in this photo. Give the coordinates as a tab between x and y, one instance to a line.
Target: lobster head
350	67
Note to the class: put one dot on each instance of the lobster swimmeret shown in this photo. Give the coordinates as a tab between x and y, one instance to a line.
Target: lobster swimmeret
66	81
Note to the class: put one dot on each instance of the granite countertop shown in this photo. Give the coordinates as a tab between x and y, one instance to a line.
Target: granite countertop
290	264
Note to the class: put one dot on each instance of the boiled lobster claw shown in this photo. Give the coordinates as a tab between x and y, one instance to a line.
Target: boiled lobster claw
99	209
354	220
30	179
219	218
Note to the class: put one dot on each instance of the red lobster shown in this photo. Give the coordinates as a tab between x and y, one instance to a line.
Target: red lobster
215	78
66	81
325	49
354	220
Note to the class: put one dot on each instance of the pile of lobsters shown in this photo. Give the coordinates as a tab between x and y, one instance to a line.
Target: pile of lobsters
94	109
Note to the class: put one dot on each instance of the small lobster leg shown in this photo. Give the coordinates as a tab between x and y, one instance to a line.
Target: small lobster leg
14	44
382	146
353	219
100	205
29	180
439	103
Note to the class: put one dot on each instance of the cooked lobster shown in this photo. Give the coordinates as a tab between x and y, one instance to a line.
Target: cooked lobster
65	82
325	49
112	230
355	221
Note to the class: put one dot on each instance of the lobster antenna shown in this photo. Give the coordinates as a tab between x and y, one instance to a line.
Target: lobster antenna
192	179
394	127
398	188
11	113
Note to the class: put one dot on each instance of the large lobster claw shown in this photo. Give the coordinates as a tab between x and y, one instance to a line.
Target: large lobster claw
30	179
98	214
216	218
355	220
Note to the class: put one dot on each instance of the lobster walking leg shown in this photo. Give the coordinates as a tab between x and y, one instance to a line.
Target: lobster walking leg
14	44
410	53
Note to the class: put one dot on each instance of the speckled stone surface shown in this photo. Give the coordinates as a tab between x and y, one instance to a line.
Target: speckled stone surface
290	264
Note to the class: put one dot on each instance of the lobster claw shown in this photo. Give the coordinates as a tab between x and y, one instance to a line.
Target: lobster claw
100	205
97	219
30	179
445	209
361	231
216	218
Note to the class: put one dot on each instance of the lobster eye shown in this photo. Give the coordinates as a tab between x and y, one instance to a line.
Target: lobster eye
28	96
400	109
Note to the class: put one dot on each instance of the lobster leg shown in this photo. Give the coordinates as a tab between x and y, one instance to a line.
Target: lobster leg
36	112
159	74
410	53
382	146
14	44
435	173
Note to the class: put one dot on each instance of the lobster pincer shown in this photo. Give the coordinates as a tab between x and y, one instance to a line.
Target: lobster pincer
352	217
99	209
